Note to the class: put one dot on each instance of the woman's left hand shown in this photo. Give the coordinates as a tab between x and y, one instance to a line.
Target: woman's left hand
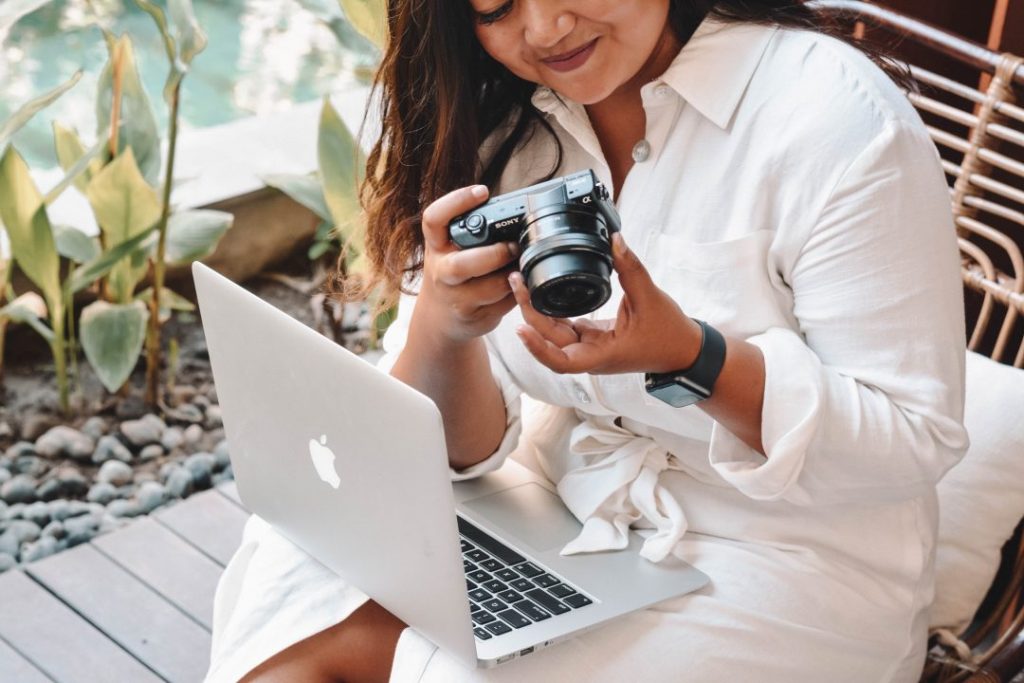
650	333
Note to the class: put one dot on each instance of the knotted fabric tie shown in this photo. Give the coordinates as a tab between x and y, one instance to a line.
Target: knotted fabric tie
618	486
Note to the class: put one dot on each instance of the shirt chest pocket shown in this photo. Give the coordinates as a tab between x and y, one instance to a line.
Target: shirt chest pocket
729	283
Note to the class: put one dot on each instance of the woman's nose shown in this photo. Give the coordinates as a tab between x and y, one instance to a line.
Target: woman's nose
546	22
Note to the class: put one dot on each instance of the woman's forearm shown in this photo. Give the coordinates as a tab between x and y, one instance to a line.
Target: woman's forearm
738	397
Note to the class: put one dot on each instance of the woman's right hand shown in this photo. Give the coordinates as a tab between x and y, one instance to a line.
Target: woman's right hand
465	293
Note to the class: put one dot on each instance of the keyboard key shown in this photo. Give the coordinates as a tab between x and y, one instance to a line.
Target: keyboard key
479	594
470	585
560	590
467	566
531	610
488	543
522	585
495	586
481	633
466	545
498	628
547	601
479	575
528	569
578	600
473	607
491	565
477	555
510	596
506	574
514	618
493	605
482	617
545	580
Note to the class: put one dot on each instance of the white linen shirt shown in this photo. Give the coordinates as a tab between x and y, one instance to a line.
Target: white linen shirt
792	199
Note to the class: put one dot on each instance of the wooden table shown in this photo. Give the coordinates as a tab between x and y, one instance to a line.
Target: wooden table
133	605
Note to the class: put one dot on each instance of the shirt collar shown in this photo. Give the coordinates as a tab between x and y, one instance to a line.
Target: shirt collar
711	72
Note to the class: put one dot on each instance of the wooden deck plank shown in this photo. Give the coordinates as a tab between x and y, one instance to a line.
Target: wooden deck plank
166	563
230	489
129	612
59	642
14	667
209	521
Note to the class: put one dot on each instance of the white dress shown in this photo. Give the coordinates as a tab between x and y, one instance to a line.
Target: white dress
792	198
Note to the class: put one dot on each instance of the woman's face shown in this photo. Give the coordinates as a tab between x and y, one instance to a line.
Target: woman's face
583	49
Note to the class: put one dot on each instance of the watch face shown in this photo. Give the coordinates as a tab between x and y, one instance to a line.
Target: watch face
676	395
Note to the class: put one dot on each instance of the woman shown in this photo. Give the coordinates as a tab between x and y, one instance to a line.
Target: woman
775	188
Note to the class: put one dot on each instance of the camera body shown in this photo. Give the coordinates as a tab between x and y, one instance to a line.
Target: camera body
564	228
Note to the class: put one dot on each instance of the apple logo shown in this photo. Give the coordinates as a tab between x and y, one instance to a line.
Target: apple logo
323	461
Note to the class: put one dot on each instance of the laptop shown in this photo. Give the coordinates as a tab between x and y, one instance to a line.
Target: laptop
350	465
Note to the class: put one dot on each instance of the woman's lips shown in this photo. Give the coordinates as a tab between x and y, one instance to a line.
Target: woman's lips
572	59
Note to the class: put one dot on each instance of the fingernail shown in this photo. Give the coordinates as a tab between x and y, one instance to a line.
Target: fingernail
478	191
513	248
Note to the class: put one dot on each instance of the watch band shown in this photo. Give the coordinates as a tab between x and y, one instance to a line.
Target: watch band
705	370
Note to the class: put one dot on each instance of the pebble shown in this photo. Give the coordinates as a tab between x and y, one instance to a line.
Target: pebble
172	438
193	435
14	511
214	417
183	394
7	562
35	425
144	431
23	530
19	449
9	544
32	465
81	529
95	427
151	452
130	407
49	490
73	483
5	475
102	493
111	448
187	412
115	472
143	477
44	547
20	489
37	513
200	466
55	529
151	496
6	430
179	482
124	508
59	509
65	441
202	402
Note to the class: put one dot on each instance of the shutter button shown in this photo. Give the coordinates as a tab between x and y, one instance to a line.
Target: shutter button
475	223
641	151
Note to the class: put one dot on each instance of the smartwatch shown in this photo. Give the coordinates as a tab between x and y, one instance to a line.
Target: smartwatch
685	387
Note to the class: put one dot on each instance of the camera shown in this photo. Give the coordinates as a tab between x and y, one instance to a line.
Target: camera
564	229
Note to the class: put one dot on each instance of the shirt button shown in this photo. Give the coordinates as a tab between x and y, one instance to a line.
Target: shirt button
641	151
581	393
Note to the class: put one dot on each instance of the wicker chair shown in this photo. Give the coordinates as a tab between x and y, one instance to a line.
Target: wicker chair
979	132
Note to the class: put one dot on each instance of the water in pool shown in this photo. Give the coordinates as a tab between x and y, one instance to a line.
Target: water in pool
263	55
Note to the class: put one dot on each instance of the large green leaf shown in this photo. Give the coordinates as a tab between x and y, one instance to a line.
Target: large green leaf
369	17
306	190
341	168
74	244
28	227
192	235
125	205
137	122
12	10
78	163
30	109
112	336
88	273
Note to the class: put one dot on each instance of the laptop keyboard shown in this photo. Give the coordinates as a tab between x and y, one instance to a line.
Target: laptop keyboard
507	591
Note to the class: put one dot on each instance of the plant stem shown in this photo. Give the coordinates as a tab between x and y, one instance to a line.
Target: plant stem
153	331
59	351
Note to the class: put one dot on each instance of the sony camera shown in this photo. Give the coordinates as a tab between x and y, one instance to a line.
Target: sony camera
564	229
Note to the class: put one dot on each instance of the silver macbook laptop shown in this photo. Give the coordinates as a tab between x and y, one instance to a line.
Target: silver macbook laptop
350	465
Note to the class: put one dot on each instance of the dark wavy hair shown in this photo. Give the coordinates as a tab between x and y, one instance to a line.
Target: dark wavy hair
440	95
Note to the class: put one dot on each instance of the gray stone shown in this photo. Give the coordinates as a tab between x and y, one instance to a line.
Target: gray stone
143	477
187	412
20	489
200	466
144	431
124	508
9	544
182	394
214	417
80	525
130	407
7	562
49	490
23	530
35	425
37	513
102	493
73	483
151	452
111	448
222	453
172	438
193	435
55	529
44	547
115	472
5	475
65	441
166	469
95	427
126	491
14	511
59	509
151	496
3	510
6	430
201	401
32	465
20	448
109	523
179	482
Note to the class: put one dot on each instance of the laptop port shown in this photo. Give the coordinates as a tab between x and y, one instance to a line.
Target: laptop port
525	651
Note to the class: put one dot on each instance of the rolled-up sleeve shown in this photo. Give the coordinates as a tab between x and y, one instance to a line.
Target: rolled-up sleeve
865	400
393	343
